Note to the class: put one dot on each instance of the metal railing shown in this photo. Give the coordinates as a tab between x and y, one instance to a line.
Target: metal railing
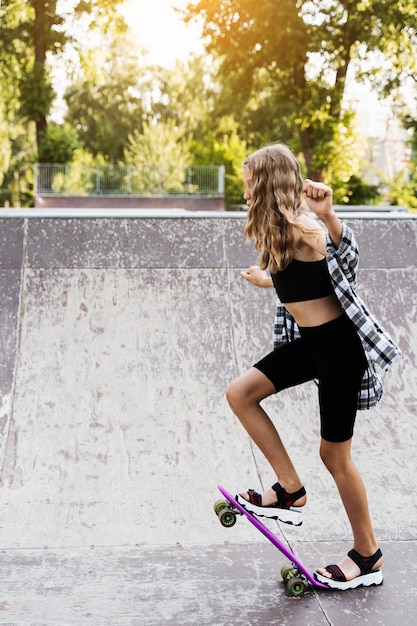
76	179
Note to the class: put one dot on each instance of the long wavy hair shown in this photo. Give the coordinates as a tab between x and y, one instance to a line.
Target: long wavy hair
276	202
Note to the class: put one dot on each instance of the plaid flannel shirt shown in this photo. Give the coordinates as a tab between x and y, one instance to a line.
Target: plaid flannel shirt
379	348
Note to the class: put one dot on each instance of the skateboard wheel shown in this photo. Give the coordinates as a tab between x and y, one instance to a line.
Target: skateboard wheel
287	572
227	517
219	505
296	586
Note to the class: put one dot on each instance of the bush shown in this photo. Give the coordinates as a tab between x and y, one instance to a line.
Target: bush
356	191
58	145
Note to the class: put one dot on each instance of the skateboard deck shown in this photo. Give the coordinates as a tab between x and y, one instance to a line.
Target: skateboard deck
297	576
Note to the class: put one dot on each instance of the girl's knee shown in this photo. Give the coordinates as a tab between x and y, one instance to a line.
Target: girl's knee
327	458
235	394
335	455
231	394
248	390
238	394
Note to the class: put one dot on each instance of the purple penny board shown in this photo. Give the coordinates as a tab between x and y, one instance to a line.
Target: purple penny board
272	538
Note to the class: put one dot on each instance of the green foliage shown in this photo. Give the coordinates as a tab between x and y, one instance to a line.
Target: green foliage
59	144
184	93
356	191
403	189
81	176
5	147
30	32
105	103
161	152
283	66
275	71
17	186
224	146
101	16
36	93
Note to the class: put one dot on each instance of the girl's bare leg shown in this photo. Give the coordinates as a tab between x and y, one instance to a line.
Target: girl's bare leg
337	458
244	396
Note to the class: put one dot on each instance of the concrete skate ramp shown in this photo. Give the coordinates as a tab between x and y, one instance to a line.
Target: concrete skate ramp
119	336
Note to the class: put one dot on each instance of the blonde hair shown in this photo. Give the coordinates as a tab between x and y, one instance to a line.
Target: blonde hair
276	202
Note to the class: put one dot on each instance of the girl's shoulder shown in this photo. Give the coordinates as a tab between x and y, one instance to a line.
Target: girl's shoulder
306	222
309	236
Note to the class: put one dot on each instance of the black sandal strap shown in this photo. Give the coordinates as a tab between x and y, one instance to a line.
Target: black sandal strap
254	497
365	563
336	573
285	500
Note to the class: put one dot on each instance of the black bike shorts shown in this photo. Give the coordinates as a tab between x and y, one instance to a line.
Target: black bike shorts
333	355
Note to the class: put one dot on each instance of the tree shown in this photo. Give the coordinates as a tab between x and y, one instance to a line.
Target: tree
105	102
184	93
284	65
29	30
32	33
161	154
403	189
33	29
222	145
17	187
58	144
187	94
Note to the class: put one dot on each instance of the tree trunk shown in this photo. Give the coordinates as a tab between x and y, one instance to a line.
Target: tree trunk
41	127
39	40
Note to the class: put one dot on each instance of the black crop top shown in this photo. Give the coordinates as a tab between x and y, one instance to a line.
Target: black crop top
303	280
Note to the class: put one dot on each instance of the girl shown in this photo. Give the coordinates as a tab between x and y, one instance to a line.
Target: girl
319	319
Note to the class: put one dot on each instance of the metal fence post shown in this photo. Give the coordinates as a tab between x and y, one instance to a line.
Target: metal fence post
221	176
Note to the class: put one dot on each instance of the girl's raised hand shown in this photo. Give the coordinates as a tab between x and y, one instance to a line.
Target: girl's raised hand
319	197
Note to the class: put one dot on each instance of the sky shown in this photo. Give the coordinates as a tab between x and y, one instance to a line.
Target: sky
160	30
